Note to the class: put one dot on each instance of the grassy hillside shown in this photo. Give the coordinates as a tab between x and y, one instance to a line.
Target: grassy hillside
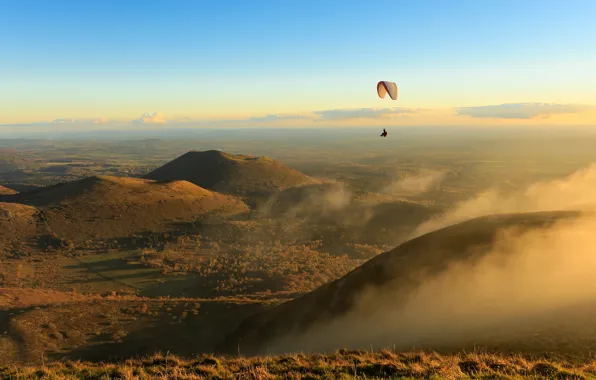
406	268
14	188
233	174
104	207
6	191
40	325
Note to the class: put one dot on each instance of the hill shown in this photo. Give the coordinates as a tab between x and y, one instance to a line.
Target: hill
43	324
398	274
20	187
232	174
363	217
65	334
101	207
6	191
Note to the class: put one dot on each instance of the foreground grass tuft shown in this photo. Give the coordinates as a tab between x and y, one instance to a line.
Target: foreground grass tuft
343	364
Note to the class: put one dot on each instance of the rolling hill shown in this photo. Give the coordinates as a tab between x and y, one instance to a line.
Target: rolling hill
19	187
231	174
102	207
6	191
399	273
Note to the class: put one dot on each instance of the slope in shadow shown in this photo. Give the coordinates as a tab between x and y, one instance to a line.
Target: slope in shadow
406	267
113	330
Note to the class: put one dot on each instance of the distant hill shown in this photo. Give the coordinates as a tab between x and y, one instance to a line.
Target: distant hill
17	222
369	217
109	207
232	174
406	267
6	191
20	187
303	200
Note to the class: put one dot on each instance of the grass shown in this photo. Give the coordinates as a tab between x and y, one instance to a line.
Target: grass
343	364
253	269
217	268
40	328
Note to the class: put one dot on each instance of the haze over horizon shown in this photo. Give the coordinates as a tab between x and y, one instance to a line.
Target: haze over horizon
149	65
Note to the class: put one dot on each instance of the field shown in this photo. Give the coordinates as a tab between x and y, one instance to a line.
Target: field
101	260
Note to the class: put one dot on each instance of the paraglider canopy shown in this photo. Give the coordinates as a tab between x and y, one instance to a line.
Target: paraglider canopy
384	87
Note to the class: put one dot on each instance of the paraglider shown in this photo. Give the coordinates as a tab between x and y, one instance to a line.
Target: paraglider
384	87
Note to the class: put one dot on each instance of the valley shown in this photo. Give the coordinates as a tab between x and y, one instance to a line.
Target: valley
136	248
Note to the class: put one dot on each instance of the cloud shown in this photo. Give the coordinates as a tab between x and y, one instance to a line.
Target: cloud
415	184
520	282
63	121
278	117
478	116
573	192
521	110
327	115
361	113
66	122
154	118
80	121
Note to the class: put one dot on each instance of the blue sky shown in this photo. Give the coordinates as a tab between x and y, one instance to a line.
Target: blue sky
239	59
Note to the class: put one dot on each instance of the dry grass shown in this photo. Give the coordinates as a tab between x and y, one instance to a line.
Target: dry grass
40	326
342	364
17	298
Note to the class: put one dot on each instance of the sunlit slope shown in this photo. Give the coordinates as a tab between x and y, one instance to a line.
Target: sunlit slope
109	207
6	191
232	174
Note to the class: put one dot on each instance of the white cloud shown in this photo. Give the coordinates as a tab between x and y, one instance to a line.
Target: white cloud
520	110
575	192
154	118
361	113
80	121
279	117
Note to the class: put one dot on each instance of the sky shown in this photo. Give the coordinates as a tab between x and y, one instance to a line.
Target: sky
152	64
